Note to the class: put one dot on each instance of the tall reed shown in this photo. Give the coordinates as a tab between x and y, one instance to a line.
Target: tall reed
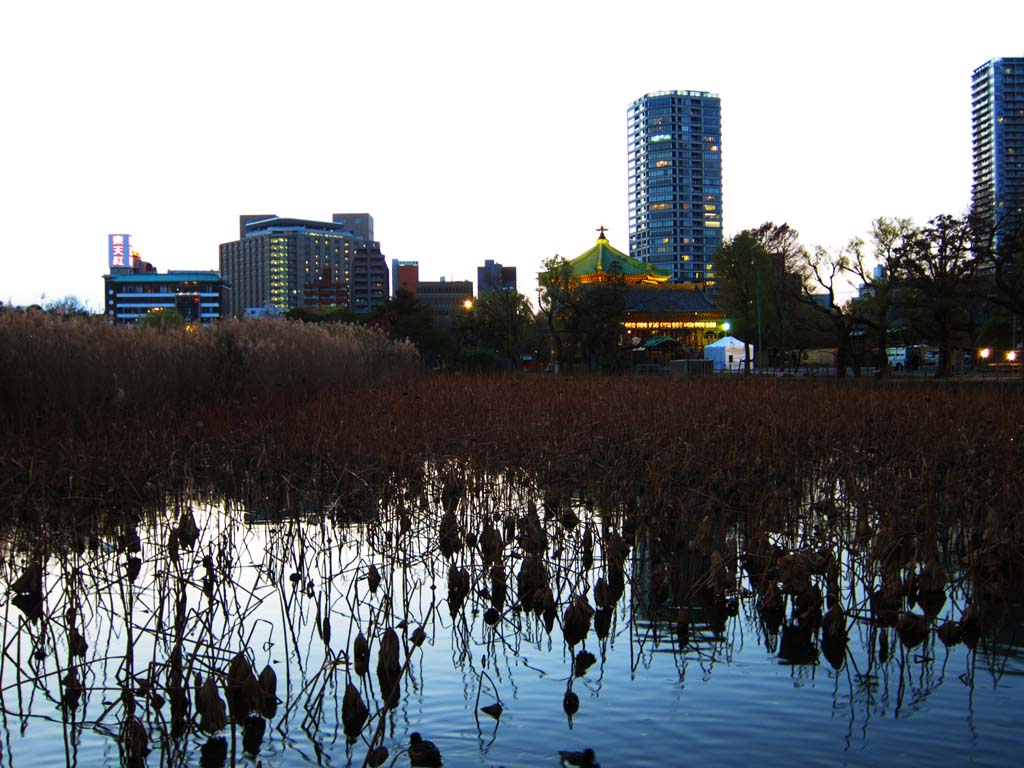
55	368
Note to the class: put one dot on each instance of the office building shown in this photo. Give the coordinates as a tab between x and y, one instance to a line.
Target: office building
997	115
495	277
675	182
447	299
404	276
134	288
284	263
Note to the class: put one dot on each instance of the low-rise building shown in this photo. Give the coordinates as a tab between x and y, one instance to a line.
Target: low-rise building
134	288
446	299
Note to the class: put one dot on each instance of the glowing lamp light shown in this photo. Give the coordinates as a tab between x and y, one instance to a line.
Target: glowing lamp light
726	326
1011	355
467	304
984	354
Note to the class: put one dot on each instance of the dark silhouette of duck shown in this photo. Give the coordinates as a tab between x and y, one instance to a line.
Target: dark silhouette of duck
422	753
584	759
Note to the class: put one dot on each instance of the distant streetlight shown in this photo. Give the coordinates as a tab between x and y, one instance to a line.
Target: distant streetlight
467	304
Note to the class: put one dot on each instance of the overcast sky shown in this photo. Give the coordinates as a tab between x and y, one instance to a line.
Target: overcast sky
469	130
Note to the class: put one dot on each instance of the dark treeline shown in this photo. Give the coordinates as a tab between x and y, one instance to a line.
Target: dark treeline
955	283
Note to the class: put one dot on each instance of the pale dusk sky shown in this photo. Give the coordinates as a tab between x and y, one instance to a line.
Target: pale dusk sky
468	130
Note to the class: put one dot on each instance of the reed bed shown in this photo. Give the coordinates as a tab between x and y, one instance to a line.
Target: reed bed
912	474
71	371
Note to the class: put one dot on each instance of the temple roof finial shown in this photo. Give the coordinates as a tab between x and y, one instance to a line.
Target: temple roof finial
600	233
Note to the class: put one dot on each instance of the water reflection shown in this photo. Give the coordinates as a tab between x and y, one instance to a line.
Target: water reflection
504	623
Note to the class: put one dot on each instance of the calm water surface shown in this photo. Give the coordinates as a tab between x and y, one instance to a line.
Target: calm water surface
294	596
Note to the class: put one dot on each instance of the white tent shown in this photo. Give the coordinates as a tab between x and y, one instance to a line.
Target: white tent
728	354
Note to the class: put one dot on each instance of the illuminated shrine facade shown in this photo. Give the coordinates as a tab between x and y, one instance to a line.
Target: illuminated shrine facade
654	307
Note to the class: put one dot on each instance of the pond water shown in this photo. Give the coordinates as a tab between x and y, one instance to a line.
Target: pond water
121	628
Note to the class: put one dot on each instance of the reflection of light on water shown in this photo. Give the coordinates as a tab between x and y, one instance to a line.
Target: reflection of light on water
294	593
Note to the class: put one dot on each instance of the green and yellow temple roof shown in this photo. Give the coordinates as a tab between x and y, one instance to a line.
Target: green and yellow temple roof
603	261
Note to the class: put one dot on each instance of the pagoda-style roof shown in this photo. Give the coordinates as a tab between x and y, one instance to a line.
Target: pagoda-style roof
603	261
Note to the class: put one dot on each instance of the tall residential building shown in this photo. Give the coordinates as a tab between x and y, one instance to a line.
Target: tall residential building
675	182
495	277
997	112
281	264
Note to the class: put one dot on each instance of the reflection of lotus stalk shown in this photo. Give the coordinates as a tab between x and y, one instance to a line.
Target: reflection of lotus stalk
458	588
243	689
268	687
211	708
576	622
499	586
450	534
389	668
73	689
136	740
491	544
532	578
970	625
388	657
354	713
683	626
570	703
30	582
912	629
188	531
950	633
834	624
373	578
361	654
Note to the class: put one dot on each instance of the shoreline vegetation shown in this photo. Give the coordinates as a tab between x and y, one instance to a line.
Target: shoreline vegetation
100	422
830	513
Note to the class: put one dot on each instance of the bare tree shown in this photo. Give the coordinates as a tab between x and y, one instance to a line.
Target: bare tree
938	265
877	274
822	274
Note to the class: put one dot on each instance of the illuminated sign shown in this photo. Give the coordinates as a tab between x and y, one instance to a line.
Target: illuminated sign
120	251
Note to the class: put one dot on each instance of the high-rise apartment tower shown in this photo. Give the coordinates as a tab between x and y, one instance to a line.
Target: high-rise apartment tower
997	113
675	182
